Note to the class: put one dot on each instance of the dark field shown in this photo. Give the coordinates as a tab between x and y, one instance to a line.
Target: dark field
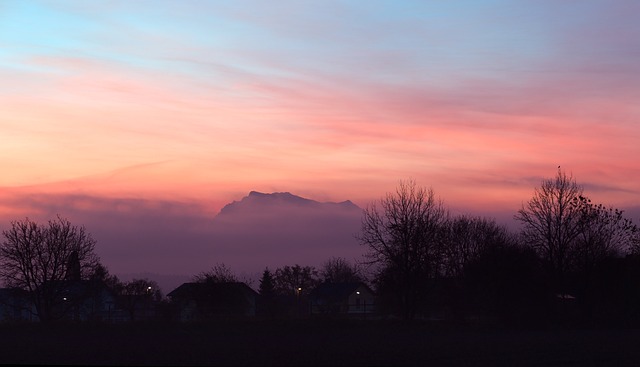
314	342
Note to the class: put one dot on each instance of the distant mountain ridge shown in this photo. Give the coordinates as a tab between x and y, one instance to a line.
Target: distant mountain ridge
288	228
257	202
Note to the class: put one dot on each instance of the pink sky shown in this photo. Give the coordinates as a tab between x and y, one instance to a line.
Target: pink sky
201	102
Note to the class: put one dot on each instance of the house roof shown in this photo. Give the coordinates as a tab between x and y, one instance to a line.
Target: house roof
337	291
209	289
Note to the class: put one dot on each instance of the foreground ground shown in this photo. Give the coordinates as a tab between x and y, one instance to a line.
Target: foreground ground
315	342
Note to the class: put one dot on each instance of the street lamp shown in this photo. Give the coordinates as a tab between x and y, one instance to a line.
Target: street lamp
298	291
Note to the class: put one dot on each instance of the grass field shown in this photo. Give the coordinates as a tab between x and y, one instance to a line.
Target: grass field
314	342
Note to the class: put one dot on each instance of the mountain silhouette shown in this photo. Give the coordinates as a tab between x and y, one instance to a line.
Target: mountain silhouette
257	203
286	228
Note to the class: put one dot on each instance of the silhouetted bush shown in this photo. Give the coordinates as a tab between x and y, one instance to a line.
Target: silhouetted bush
610	294
506	284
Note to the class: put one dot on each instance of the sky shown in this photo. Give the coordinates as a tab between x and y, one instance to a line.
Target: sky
192	104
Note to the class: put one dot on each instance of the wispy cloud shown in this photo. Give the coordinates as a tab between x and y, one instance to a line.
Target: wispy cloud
336	99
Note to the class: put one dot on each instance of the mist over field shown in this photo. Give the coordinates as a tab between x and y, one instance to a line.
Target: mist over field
172	241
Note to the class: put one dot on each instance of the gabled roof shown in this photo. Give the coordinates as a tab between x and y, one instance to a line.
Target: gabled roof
337	291
199	290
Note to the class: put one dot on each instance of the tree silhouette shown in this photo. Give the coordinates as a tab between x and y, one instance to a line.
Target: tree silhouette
139	295
404	235
41	259
604	232
219	273
295	280
339	270
267	305
467	237
101	274
571	234
505	284
267	285
551	224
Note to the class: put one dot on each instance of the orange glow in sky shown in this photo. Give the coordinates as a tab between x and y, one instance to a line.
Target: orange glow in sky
202	102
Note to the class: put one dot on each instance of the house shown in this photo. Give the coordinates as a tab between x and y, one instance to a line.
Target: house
84	300
207	300
351	299
76	300
15	305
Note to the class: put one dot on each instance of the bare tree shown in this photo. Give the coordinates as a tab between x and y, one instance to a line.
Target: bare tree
295	280
219	273
635	244
604	232
339	270
42	258
551	224
101	274
404	233
139	296
467	237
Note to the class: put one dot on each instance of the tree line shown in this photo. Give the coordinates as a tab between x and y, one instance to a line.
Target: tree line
45	259
572	259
